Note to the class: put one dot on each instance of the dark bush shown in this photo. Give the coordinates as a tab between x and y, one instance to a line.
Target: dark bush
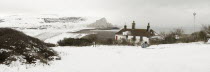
174	36
202	35
3	56
155	42
50	45
91	37
109	41
124	42
103	41
183	38
170	37
199	36
18	44
75	42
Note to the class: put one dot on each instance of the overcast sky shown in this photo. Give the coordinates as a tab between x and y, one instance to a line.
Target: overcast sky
160	13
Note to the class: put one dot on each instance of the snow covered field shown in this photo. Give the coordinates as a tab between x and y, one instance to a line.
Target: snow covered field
183	57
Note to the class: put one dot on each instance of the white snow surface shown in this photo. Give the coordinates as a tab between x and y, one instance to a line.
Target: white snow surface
182	57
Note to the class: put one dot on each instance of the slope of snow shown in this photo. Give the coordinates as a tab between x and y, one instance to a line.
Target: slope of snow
183	57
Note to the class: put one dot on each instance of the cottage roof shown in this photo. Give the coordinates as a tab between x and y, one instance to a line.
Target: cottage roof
136	32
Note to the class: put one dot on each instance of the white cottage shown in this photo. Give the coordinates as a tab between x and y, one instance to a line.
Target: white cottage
135	35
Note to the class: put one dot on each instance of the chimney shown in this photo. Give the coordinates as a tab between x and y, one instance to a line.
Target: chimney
125	27
133	25
148	27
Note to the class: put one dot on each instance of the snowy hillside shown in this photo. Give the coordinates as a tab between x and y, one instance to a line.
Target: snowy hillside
56	27
183	57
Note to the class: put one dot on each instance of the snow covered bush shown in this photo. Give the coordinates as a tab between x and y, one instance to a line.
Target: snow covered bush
15	44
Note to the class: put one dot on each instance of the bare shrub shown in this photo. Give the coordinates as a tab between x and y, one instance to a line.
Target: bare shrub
206	29
155	42
171	37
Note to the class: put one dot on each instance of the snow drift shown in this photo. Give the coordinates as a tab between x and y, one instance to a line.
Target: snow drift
182	57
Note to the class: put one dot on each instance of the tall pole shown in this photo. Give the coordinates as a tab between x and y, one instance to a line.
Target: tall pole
194	14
